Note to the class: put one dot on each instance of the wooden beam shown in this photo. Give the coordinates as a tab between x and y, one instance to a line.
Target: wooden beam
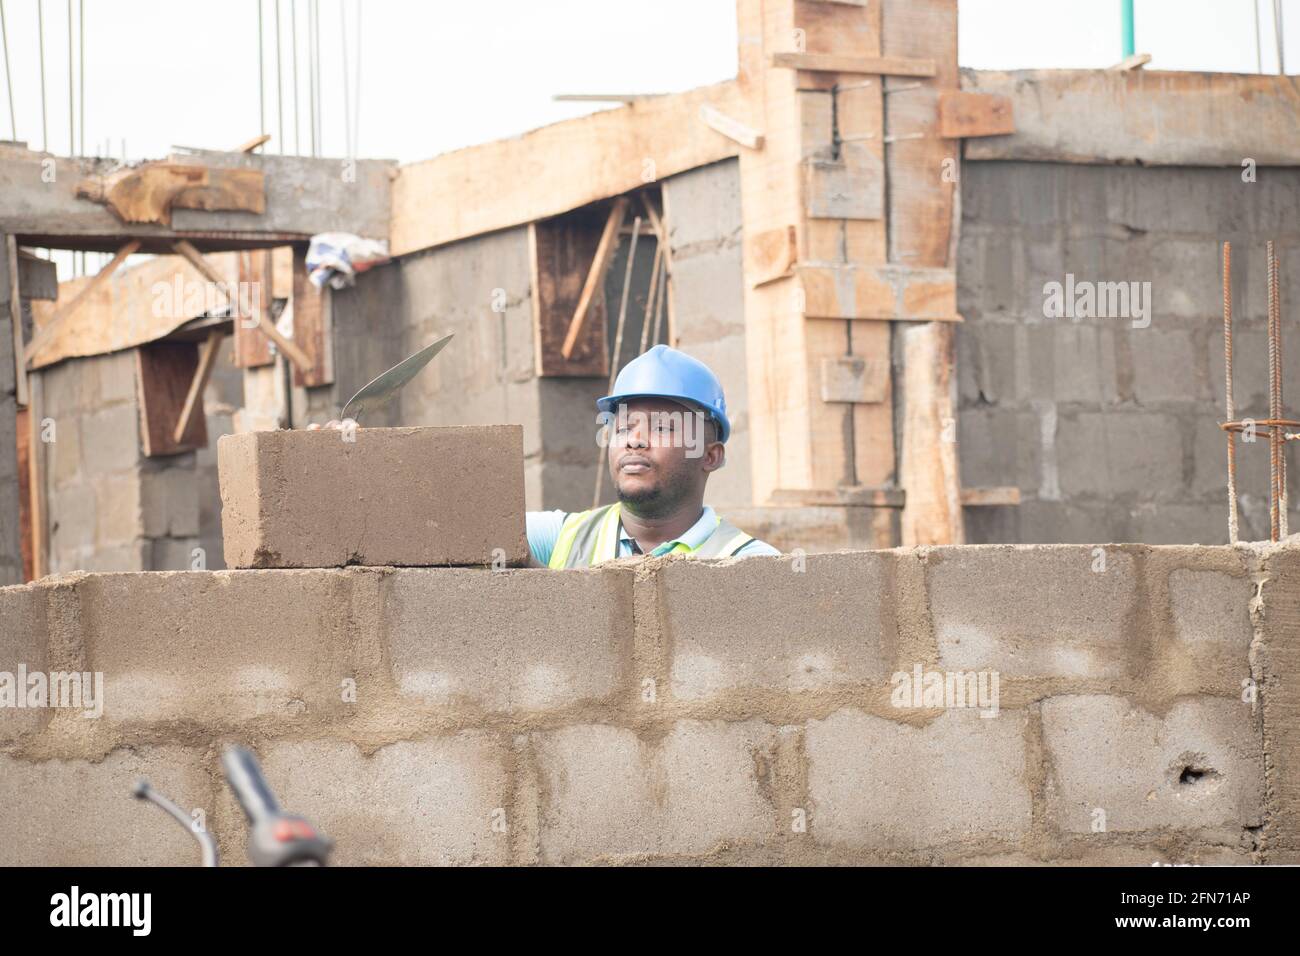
874	65
194	397
963	115
847	291
596	275
733	129
291	351
557	168
148	192
47	331
928	464
253	143
16	317
602	97
312	326
252	349
36	467
1134	62
987	497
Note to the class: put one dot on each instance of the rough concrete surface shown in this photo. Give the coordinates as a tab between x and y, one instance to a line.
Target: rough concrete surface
373	496
465	716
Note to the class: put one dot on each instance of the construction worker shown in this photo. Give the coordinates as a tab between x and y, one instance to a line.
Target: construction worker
666	428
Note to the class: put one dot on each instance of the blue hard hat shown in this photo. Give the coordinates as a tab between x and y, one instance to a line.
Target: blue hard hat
667	373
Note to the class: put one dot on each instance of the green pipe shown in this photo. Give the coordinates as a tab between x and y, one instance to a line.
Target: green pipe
1126	15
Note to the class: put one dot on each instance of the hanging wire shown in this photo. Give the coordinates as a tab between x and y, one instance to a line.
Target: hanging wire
1259	56
356	107
40	40
293	29
4	34
320	93
81	51
1277	32
347	106
72	116
311	72
279	85
261	75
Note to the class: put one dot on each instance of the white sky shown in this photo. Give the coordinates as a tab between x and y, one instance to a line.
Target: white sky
441	74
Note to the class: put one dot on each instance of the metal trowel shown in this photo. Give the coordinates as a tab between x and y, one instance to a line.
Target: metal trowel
381	391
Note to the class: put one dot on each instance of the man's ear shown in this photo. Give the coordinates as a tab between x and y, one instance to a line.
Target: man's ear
715	456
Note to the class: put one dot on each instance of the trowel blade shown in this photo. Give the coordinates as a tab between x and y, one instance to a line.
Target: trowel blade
381	391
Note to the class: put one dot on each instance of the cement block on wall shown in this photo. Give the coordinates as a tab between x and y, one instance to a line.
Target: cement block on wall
609	794
373	496
1200	765
878	784
81	813
190	645
23	643
1211	608
759	623
1033	611
411	803
508	640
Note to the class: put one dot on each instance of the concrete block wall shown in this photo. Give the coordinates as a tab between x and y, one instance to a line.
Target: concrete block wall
11	561
1110	431
108	507
678	711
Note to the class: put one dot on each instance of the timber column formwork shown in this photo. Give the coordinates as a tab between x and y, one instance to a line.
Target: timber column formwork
849	228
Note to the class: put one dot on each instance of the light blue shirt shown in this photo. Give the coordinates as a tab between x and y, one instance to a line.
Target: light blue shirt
544	531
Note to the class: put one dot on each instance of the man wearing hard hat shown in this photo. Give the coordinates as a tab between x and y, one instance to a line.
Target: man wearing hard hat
666	428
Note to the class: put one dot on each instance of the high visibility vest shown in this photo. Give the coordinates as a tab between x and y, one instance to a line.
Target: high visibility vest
590	537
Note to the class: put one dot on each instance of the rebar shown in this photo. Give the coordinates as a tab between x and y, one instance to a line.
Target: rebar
1227	391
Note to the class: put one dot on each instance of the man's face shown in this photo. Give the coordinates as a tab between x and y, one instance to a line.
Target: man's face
660	454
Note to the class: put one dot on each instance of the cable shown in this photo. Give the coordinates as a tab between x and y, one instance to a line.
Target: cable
1277	32
279	85
311	72
8	81
293	28
261	75
347	106
40	39
356	108
81	50
72	116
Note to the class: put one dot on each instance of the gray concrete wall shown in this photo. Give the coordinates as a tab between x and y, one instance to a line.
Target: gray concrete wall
108	507
1110	431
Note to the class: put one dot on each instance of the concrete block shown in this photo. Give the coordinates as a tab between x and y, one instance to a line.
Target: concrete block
1114	453
609	794
81	813
225	644
169	498
115	375
760	623
119	516
1199	765
1165	367
72	519
1211	608
64	453
174	554
23	647
132	556
875	783
110	439
1033	611
410	803
391	496
508	640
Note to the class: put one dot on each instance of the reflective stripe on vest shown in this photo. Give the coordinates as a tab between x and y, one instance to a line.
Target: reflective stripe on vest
591	537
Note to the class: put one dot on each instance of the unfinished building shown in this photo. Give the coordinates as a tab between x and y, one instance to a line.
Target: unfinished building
859	238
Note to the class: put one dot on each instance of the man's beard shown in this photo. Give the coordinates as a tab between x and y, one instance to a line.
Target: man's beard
656	502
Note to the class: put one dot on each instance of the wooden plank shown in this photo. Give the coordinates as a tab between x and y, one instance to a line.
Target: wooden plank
13	281
731	128
847	291
147	193
164	371
36	470
139	304
963	115
194	397
46	332
1151	117
596	274
252	348
851	378
253	143
557	168
771	255
873	65
1134	62
838	189
561	251
928	463
23	432
312	330
989	497
850	495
